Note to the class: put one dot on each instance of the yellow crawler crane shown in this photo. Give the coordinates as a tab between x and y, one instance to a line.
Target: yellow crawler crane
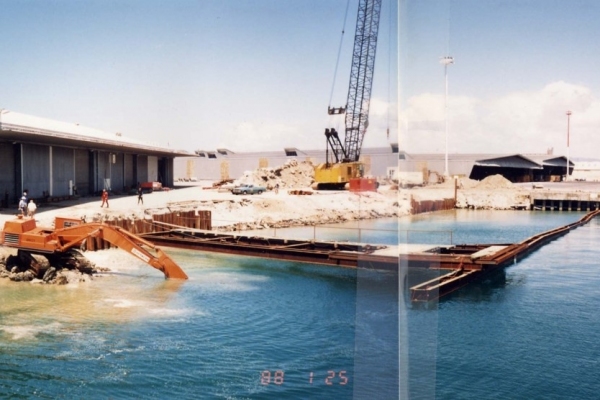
342	168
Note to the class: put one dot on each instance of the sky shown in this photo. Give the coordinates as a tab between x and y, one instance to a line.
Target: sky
519	66
195	75
258	75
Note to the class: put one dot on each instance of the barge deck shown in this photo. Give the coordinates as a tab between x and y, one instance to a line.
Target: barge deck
467	263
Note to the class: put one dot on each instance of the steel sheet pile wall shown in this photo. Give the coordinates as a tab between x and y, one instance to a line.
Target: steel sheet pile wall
424	206
187	219
195	219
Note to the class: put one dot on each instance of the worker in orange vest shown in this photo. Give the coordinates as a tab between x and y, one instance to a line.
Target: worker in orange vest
104	198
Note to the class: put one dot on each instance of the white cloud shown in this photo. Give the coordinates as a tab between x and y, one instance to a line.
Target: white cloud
259	136
523	122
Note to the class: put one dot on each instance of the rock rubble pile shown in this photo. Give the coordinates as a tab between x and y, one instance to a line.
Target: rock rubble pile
12	268
291	175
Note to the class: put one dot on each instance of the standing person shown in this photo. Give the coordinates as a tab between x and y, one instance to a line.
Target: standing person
104	198
23	206
31	208
140	195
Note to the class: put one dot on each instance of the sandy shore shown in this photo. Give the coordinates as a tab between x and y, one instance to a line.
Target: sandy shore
282	209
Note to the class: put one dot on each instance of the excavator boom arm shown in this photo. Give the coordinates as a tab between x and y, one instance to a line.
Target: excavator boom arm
72	236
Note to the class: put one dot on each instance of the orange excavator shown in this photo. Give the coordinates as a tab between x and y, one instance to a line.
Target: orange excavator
61	244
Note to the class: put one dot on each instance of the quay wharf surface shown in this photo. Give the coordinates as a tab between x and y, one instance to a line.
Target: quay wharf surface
564	201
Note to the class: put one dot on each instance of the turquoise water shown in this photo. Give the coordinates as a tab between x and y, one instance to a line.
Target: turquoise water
239	328
262	329
530	333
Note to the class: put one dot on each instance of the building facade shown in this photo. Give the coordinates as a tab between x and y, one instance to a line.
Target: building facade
224	164
57	159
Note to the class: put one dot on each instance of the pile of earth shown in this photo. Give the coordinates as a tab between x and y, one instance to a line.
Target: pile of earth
292	174
494	182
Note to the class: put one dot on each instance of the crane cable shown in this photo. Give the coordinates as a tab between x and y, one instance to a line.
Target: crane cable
389	105
337	63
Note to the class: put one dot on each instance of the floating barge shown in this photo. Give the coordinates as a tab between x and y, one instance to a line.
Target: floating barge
467	263
343	254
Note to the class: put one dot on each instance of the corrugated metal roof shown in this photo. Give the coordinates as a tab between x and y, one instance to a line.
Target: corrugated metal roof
366	151
557	162
472	157
512	161
27	128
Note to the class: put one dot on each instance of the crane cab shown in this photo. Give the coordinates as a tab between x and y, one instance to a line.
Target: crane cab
336	176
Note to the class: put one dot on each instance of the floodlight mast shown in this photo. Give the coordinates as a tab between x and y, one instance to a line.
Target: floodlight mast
445	61
568	140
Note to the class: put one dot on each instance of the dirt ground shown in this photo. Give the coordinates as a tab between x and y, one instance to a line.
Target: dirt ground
254	211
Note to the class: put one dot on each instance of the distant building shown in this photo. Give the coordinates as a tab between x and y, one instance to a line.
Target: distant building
586	169
514	167
223	164
57	159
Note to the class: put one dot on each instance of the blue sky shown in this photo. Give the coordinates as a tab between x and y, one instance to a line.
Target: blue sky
257	75
244	75
519	66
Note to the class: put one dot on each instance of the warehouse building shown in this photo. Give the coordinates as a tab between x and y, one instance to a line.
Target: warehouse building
428	168
223	164
58	159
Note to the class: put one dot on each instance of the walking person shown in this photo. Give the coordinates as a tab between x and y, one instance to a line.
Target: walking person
31	208
140	195
104	198
23	206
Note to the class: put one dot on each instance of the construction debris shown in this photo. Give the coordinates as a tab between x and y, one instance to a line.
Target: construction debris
13	268
291	175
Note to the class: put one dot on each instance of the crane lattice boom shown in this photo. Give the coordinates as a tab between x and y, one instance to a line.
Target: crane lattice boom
361	77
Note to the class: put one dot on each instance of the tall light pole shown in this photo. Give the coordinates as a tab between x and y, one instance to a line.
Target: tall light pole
568	140
445	61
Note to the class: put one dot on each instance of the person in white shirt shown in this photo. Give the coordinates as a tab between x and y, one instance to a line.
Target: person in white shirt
31	208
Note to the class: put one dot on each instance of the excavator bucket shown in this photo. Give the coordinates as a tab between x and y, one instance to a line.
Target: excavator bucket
169	267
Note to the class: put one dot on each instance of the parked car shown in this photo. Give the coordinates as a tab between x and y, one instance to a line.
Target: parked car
248	189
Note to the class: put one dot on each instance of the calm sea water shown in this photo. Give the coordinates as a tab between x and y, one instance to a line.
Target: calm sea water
252	328
238	328
530	333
